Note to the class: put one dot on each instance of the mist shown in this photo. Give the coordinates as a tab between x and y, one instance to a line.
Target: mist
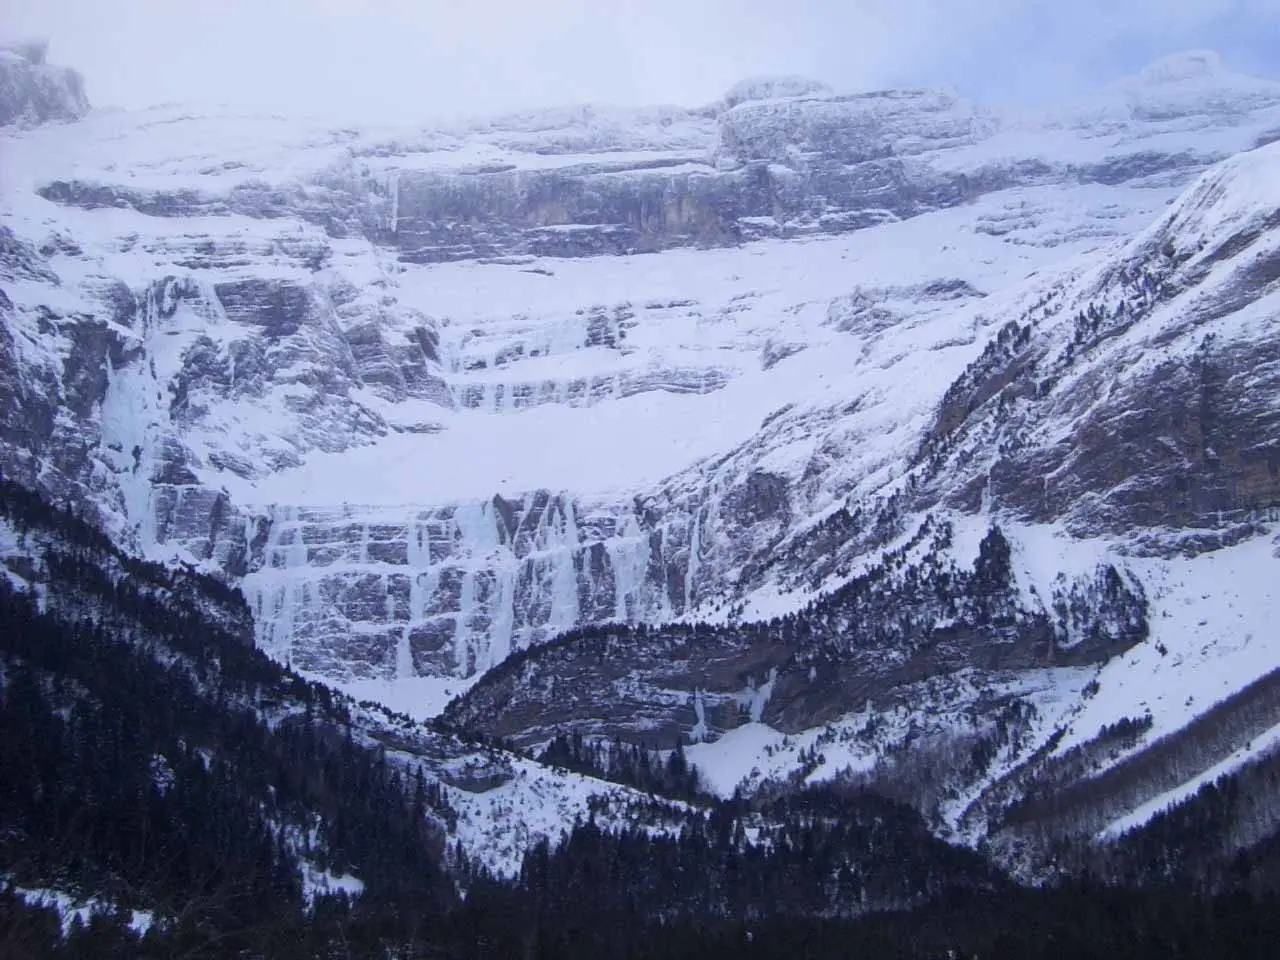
404	61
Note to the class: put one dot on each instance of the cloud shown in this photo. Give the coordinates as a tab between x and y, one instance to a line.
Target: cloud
407	60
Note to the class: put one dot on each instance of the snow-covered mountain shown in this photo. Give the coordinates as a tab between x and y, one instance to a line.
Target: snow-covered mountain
32	91
432	397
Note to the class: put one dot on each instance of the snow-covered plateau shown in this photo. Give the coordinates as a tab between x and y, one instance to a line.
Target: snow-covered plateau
434	397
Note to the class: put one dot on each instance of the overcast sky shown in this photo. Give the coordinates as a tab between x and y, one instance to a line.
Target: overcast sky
407	60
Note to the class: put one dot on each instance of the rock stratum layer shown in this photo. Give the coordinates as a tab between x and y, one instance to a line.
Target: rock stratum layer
763	377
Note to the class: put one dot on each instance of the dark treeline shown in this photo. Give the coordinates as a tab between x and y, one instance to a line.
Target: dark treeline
1067	923
1066	799
599	914
124	779
630	764
1225	838
154	761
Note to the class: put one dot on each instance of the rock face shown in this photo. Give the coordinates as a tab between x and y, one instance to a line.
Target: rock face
380	594
32	91
874	643
787	157
922	443
803	163
1136	399
375	377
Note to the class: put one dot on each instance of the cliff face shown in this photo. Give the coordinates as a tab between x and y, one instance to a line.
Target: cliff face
371	374
920	627
1136	398
806	163
925	444
32	91
1125	414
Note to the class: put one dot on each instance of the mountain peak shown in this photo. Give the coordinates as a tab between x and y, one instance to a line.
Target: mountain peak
779	87
1195	83
1180	67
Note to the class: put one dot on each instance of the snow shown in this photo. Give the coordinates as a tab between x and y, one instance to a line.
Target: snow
71	908
599	452
775	88
610	446
688	385
1212	615
1045	557
192	144
500	825
1215	615
422	698
1254	750
725	763
317	882
687	401
754	754
1241	190
197	145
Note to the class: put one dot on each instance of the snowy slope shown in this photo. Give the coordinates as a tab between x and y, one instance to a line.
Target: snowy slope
422	395
1124	418
493	805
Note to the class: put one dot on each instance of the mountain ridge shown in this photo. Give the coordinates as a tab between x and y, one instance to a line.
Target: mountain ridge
400	388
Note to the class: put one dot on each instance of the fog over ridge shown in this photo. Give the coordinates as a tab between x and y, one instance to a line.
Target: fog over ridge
406	61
